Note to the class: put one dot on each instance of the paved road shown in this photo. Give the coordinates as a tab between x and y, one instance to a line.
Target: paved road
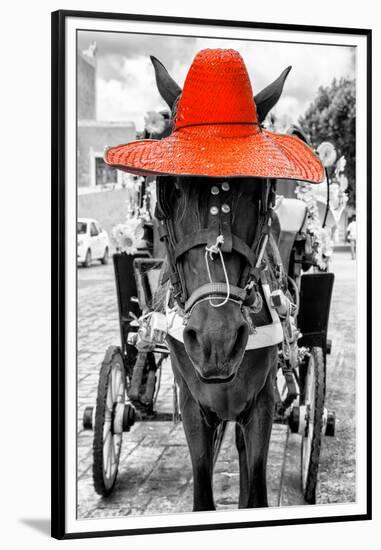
155	470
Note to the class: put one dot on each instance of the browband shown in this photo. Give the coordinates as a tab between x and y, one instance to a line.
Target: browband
236	294
205	236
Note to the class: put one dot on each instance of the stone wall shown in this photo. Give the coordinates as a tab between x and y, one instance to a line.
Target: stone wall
94	137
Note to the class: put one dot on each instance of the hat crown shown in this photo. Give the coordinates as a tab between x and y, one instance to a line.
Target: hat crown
217	90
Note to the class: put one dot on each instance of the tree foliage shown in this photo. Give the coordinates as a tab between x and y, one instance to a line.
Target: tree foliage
332	117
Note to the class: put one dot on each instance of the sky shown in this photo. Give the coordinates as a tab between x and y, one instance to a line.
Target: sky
126	87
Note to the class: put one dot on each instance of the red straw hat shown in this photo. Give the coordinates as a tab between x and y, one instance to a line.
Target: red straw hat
217	133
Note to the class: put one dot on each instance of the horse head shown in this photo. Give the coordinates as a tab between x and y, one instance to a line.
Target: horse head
214	225
203	210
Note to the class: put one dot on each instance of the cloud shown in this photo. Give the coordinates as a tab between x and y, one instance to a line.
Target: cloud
126	87
114	47
130	97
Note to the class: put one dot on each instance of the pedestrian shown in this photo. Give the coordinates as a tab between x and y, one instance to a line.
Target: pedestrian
352	236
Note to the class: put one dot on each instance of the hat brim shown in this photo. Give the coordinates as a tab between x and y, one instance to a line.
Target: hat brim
220	151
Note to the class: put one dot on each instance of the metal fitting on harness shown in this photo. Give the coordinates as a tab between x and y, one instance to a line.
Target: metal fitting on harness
152	331
281	303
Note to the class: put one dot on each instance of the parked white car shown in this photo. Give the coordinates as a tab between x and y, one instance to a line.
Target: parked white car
93	242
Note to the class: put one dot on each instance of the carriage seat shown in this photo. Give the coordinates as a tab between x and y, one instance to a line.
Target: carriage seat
292	215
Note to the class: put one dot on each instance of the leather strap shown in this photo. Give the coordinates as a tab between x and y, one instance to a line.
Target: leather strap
191	240
163	208
175	274
203	237
213	227
214	289
226	226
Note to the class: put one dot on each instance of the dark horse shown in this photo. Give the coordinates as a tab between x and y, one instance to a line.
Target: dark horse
218	380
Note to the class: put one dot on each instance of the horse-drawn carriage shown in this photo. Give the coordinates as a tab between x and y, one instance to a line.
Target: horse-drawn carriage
249	345
129	379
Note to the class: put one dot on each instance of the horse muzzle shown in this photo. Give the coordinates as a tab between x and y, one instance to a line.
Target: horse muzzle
216	344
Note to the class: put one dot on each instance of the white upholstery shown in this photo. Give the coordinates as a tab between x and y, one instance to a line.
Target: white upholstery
291	214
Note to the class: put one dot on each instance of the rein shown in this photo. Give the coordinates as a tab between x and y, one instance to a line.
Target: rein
210	251
217	238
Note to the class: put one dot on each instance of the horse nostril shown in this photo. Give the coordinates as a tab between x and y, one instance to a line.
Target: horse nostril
191	336
193	345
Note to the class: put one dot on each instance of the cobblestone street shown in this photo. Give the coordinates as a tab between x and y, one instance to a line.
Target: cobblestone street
155	470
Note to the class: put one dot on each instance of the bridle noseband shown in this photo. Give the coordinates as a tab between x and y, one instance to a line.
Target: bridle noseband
217	238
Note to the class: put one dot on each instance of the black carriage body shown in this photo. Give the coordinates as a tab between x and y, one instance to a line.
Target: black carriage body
127	294
315	304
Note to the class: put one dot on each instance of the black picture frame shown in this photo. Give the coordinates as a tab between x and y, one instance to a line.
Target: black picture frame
58	250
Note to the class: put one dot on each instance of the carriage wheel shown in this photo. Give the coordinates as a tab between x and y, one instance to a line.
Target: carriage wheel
314	393
108	425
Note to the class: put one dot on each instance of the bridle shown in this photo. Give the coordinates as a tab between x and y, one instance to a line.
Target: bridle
217	238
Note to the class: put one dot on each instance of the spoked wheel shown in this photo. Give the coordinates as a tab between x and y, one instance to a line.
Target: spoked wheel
314	393
108	424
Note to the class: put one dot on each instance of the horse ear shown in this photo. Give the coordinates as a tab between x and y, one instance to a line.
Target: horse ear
295	130
167	87
268	97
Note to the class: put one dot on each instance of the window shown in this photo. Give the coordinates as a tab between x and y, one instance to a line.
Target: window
81	228
93	230
104	174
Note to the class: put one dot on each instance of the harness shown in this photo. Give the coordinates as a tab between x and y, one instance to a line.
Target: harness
217	238
262	336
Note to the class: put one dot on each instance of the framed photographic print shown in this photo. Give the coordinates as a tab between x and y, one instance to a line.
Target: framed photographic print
211	185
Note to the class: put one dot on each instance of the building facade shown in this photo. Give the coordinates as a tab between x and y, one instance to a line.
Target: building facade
93	136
